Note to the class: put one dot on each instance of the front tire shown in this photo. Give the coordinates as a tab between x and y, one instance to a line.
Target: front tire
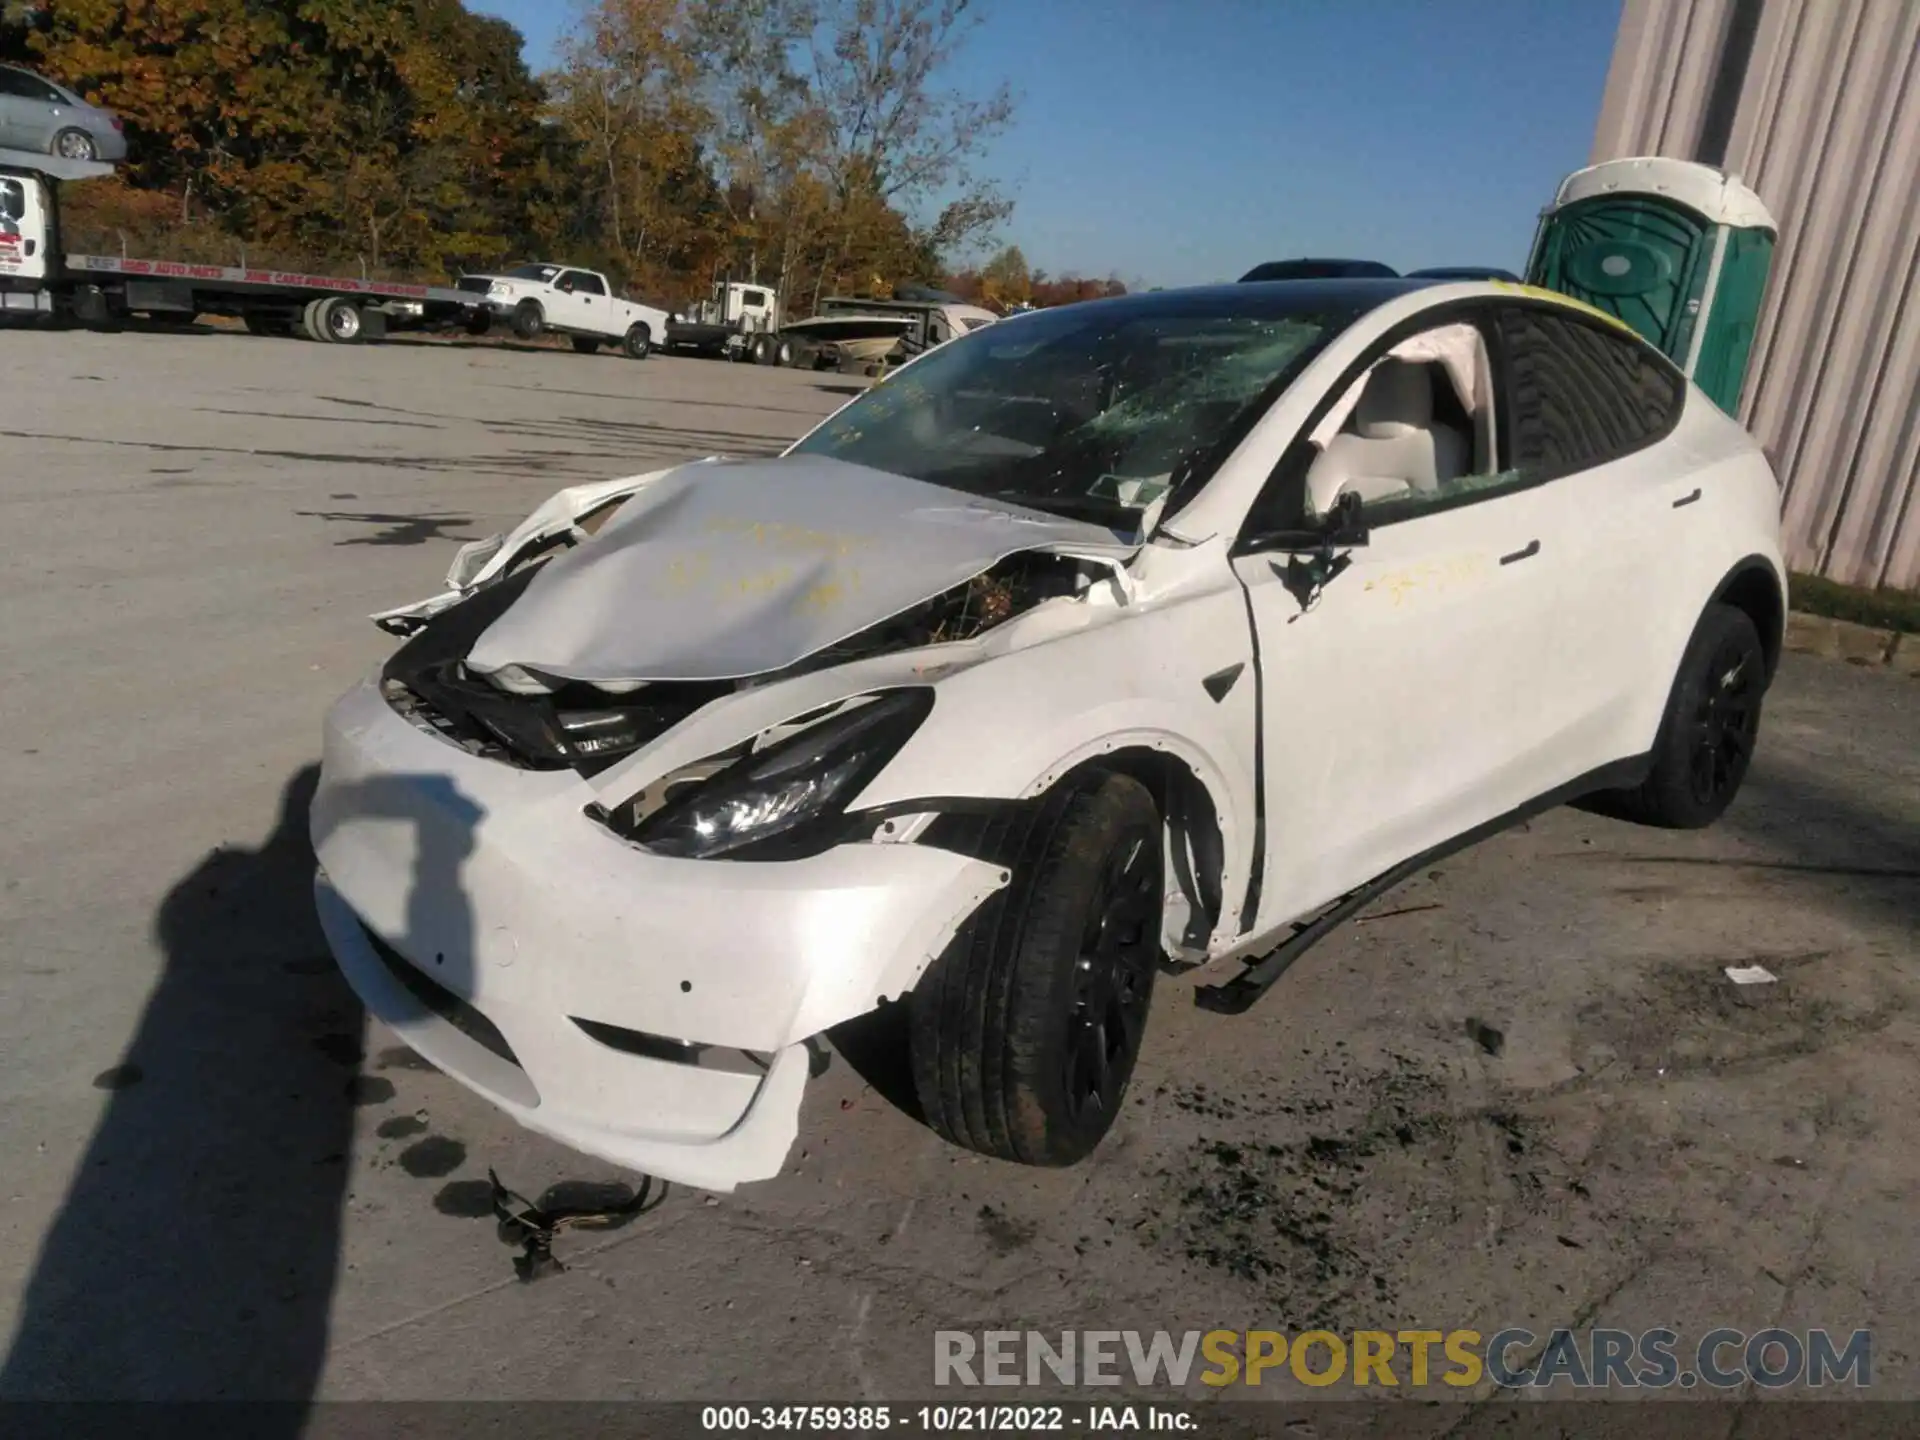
639	342
1707	735
1025	1031
529	320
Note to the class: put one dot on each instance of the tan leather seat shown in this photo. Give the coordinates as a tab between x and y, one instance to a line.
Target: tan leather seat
1395	446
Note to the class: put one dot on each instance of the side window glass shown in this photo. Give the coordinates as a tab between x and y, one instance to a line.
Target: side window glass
1414	432
1579	396
591	285
1281	505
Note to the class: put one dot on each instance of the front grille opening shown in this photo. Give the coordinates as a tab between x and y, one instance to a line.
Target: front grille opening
575	727
675	1052
443	1002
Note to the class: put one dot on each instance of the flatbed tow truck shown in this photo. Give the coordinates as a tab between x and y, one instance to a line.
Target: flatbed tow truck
38	278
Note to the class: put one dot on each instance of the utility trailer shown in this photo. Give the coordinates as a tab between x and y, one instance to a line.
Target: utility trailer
38	277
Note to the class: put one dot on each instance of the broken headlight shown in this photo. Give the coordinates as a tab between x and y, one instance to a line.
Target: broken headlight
778	793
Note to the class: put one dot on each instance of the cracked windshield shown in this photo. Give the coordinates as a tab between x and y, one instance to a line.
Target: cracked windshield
1092	413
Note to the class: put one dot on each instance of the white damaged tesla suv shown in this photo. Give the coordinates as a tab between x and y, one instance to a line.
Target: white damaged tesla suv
1106	643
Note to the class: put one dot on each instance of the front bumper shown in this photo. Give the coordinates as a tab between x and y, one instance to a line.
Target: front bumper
493	884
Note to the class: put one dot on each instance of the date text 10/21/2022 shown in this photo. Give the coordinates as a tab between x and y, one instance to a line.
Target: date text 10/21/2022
947	1419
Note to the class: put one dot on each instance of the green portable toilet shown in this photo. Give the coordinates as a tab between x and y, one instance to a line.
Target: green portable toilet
1679	251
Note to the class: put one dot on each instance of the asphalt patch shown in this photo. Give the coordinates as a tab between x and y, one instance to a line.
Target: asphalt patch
1283	1195
1003	1232
465	1199
433	1157
368	1090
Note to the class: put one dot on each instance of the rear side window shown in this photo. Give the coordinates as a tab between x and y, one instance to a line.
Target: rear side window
589	284
29	87
1578	395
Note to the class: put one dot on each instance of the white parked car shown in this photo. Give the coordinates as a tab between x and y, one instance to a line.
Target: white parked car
566	300
1103	644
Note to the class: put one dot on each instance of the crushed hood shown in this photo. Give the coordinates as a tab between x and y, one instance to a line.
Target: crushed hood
724	570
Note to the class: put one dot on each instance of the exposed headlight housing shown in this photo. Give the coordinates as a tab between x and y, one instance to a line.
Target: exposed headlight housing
776	799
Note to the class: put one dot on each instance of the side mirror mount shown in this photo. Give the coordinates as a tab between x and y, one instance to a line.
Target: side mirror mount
1319	556
1346	524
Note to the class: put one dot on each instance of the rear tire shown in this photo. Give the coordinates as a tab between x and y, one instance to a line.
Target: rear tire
585	344
638	343
340	321
787	354
74	145
1707	735
1025	1030
529	320
310	325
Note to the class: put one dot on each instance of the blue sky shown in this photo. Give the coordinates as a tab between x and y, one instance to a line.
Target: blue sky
1177	143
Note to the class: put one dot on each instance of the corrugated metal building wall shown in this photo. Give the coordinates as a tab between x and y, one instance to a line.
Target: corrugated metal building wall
1816	104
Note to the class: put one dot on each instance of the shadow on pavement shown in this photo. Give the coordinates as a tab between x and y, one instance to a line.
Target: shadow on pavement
875	1046
195	1254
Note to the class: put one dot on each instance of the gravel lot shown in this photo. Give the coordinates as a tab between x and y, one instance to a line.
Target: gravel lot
219	1181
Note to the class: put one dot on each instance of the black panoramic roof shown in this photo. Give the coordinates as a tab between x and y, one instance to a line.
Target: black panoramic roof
1320	270
1272	299
1463	272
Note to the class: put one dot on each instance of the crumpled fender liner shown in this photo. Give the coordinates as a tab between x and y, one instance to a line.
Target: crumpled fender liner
981	828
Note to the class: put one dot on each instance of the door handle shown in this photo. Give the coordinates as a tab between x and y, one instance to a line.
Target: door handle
1687	499
1533	549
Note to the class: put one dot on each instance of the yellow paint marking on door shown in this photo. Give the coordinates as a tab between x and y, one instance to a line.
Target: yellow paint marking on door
1434	577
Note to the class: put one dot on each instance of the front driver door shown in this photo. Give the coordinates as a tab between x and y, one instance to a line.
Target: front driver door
1400	708
566	308
593	303
1402	702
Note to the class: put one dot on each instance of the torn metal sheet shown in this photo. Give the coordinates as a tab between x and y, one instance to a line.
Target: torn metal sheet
724	570
561	516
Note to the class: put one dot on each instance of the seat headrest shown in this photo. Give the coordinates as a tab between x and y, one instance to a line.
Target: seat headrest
1398	400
